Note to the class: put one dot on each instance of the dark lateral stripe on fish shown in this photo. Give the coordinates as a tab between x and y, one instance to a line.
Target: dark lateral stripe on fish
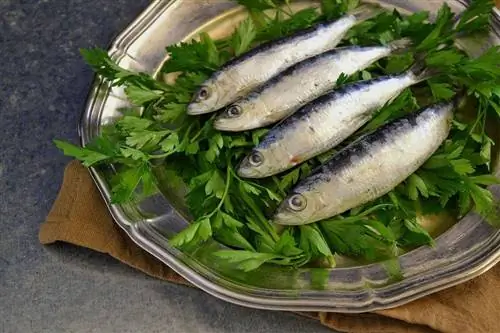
305	112
274	43
361	147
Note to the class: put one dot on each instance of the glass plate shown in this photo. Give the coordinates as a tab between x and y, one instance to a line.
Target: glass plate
464	251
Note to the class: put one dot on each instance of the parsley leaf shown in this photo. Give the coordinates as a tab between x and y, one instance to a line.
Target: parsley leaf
482	198
279	28
363	238
246	260
103	65
88	156
442	26
444	58
414	234
170	144
170	112
403	104
441	91
132	123
126	182
333	9
234	239
243	37
287	245
145	138
198	231
140	95
415	186
215	185
134	154
476	18
311	240
193	56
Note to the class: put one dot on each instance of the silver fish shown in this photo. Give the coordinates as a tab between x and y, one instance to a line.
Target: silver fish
325	122
369	167
288	91
244	73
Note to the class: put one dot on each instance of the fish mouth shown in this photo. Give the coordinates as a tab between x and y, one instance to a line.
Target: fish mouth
194	109
250	171
247	173
285	217
222	124
246	170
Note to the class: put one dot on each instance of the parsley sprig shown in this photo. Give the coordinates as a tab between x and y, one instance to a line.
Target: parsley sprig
233	211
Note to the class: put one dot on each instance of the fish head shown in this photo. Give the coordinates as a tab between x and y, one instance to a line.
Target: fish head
244	114
260	163
298	208
206	99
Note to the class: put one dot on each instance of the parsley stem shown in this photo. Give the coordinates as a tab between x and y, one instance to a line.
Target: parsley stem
224	195
483	129
257	212
481	116
254	184
197	135
278	185
161	155
226	190
188	131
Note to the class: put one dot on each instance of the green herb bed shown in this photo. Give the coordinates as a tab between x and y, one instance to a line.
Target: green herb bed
233	211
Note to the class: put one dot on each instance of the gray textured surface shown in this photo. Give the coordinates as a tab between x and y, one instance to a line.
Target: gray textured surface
61	288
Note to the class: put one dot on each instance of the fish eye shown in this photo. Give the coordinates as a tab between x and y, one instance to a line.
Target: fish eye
256	158
297	202
203	93
234	111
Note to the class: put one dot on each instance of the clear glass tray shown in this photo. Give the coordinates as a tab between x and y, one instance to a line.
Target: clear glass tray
466	250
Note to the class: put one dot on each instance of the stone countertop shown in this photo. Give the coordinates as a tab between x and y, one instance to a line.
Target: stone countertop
62	288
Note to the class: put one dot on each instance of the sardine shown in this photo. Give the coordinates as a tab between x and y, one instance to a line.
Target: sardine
303	82
369	167
242	74
325	122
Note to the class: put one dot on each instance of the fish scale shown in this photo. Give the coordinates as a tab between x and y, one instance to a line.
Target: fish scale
325	122
242	74
369	167
299	84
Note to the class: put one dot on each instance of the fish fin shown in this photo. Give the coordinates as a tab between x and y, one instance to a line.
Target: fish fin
421	72
401	45
294	160
366	11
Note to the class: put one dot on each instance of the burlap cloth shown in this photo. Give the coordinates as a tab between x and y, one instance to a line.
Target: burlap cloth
79	216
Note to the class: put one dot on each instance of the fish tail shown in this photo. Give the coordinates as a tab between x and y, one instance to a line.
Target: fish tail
366	11
401	45
421	72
